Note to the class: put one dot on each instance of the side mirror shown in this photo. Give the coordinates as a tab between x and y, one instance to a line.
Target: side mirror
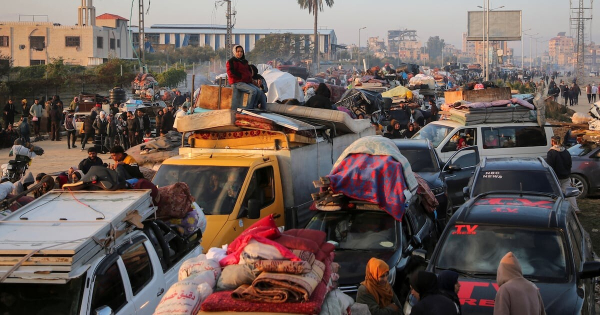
452	168
253	209
103	310
420	253
572	192
591	269
466	193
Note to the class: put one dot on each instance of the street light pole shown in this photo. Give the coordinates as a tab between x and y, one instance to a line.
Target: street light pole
358	53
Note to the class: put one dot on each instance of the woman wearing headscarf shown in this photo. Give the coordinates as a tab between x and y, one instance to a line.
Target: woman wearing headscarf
240	78
424	287
321	99
376	292
449	286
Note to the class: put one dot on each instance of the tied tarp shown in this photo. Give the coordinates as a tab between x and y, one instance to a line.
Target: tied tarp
377	179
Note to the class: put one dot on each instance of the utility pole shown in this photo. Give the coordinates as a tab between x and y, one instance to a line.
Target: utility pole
228	44
142	35
577	21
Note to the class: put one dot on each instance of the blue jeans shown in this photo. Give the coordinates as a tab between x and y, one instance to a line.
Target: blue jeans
237	98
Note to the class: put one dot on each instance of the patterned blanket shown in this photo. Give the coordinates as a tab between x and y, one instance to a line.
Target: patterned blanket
376	179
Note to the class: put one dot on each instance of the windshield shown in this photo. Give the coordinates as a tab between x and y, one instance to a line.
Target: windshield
581	150
479	249
42	299
504	180
421	160
215	188
434	133
357	230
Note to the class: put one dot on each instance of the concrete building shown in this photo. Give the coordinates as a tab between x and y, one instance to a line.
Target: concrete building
377	47
473	50
92	41
181	35
561	49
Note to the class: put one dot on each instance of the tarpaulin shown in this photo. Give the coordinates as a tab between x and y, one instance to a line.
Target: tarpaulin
282	86
377	179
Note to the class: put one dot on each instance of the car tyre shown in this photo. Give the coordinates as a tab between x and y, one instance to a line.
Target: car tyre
580	183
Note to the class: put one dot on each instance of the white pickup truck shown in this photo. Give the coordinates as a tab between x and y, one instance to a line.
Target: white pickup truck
89	252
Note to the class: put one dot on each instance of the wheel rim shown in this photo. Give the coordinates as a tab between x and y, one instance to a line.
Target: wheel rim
577	184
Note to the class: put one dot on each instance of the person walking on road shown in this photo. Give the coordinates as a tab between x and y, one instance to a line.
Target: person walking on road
9	113
55	118
560	160
588	93
594	92
564	91
424	287
576	92
37	112
133	127
516	295
88	129
70	128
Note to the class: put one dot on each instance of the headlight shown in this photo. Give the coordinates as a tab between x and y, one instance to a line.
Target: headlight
438	190
392	275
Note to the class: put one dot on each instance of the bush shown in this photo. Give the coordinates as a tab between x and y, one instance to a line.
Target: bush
171	78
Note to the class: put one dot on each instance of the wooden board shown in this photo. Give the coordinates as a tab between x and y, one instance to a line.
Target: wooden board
486	95
206	120
209	98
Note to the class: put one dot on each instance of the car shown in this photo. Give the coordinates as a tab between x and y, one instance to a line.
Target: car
585	172
367	231
540	229
515	175
446	184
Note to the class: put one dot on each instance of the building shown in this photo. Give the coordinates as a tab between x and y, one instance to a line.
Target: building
473	50
181	35
92	41
377	47
395	39
561	49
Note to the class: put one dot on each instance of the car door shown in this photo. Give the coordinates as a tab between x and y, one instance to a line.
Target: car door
109	287
457	171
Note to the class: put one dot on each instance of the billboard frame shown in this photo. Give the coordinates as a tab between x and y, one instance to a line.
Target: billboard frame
474	32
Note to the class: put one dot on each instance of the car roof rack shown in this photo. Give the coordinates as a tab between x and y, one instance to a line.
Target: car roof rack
552	221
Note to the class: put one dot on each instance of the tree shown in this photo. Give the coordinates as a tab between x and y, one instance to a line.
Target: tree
171	78
434	47
283	46
5	65
314	6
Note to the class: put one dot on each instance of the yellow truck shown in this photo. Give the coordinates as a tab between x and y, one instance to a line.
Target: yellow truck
243	165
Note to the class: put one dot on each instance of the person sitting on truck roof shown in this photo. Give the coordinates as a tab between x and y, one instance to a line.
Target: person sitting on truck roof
321	99
90	161
240	78
125	165
259	81
376	292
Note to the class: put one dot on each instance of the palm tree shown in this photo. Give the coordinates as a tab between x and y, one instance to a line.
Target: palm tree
314	6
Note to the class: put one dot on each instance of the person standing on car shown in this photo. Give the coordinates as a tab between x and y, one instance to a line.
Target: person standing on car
376	292
560	160
424	287
516	295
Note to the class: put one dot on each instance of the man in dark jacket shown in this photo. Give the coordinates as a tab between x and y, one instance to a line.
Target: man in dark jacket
91	160
168	120
424	287
55	118
560	160
133	127
70	125
144	125
88	128
9	113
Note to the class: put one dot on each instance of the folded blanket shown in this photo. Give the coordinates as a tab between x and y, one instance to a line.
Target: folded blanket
304	255
283	266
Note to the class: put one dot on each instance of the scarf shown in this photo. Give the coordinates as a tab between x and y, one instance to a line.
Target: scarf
382	294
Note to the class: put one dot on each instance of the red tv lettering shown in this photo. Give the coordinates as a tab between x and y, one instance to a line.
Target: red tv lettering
539	204
470	229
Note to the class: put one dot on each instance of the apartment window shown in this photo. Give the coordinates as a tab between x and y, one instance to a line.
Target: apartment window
111	43
37	62
37	42
100	42
194	40
72	41
154	39
3	41
118	43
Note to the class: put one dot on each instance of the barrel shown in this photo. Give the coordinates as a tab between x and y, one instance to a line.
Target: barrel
117	95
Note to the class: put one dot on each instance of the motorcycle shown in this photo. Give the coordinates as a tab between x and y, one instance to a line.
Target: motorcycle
16	168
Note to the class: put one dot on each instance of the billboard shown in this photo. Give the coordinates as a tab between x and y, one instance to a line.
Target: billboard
503	25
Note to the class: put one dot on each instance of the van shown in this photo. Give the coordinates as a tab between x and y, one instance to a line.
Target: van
492	139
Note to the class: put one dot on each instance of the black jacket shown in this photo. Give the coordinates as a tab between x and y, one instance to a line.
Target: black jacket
319	101
560	161
100	126
10	110
167	122
88	125
55	113
435	304
86	164
133	125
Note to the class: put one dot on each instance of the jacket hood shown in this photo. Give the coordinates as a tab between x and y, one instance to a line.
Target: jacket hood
509	269
557	148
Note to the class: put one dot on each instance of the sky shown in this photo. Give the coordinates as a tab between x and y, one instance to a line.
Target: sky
447	19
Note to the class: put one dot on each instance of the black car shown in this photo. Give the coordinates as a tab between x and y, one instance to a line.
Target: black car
541	230
515	175
585	172
445	180
366	232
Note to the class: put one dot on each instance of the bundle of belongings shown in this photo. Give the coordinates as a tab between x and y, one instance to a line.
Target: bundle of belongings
372	170
359	103
512	110
422	81
266	270
175	204
594	122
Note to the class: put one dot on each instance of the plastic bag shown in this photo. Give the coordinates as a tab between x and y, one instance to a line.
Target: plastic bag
197	265
184	297
216	253
579	118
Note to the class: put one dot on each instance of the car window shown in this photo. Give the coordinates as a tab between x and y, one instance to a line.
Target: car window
261	188
421	160
419	218
581	150
434	133
576	231
461	139
507	180
575	248
138	265
513	136
405	233
109	289
357	230
479	249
